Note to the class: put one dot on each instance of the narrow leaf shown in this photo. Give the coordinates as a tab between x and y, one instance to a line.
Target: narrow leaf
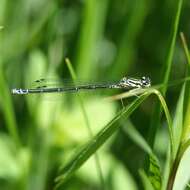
87	122
154	173
183	174
178	121
145	180
96	142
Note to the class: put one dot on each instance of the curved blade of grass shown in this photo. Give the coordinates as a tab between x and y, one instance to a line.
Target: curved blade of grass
168	119
166	72
186	131
96	142
80	157
85	115
177	132
163	104
172	46
185	47
178	121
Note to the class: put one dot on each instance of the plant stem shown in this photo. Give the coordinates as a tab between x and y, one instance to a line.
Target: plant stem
181	150
173	172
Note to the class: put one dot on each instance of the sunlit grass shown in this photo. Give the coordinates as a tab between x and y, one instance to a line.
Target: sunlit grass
104	39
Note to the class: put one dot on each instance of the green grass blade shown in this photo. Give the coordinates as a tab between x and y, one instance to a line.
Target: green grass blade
178	121
177	134
166	171
186	131
84	112
167	69
163	106
85	115
94	15
96	142
183	174
7	106
185	47
168	119
166	72
154	172
80	157
127	46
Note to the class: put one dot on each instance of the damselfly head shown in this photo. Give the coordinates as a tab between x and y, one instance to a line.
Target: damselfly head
123	80
145	81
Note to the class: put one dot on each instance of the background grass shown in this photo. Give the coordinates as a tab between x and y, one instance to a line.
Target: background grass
105	40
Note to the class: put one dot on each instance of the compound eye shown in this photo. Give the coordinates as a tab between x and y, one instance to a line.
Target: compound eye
123	80
145	81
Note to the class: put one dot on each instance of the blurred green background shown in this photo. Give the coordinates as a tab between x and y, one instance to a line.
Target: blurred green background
105	40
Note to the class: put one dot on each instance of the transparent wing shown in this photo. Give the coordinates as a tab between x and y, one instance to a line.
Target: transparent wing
66	83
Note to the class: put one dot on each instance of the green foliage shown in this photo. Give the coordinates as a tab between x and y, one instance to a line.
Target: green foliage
96	142
91	147
145	180
104	40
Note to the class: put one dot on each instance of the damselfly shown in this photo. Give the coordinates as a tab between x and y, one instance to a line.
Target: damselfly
125	83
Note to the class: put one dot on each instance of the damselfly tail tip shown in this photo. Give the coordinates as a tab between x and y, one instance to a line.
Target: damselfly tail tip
14	91
19	91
